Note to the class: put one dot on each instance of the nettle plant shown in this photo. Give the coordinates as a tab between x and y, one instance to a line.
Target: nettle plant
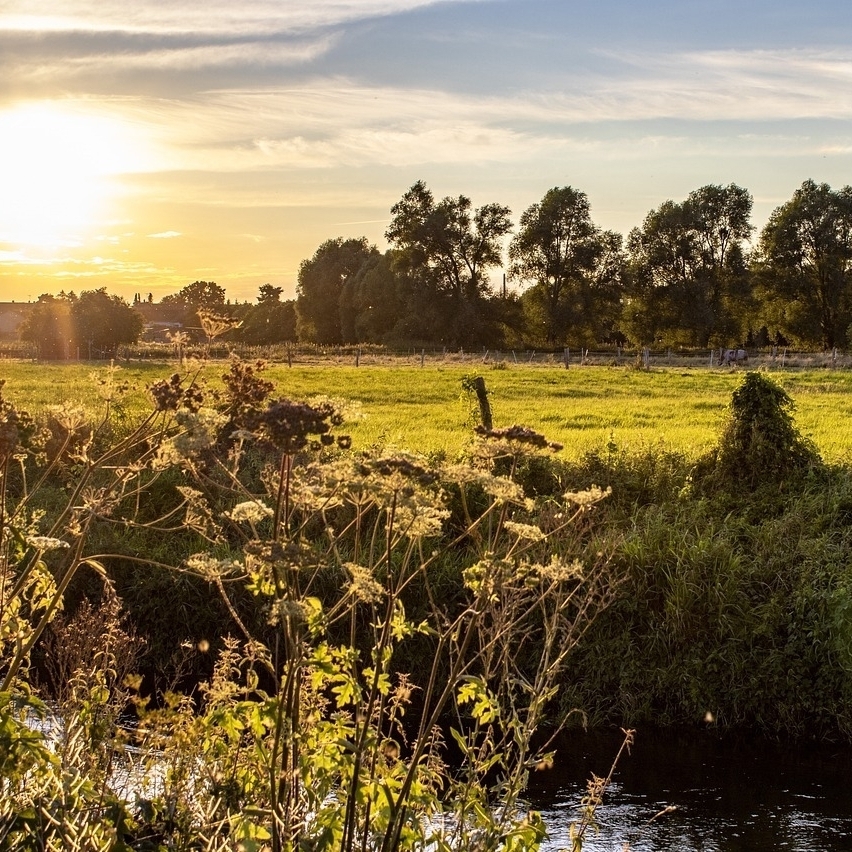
416	621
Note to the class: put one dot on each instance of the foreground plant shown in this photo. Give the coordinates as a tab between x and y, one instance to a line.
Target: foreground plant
312	734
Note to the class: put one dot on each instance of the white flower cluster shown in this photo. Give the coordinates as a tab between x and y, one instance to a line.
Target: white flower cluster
587	498
251	511
525	531
45	543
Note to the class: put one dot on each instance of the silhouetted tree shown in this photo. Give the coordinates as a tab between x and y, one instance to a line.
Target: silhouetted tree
804	268
320	284
103	322
200	295
49	326
573	267
95	325
689	279
449	246
270	320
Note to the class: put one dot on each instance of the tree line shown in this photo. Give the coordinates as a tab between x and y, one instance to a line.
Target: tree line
691	275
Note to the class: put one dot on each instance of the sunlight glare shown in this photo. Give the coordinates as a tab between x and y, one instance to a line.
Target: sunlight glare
58	168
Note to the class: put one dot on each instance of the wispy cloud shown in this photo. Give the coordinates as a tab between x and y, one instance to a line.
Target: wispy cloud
165	235
213	16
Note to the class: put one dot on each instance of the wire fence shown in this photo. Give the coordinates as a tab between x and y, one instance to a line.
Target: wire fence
374	355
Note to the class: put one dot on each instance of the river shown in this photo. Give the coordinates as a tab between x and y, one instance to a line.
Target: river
731	794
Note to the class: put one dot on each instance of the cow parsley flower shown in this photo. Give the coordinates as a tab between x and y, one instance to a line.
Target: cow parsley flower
587	498
251	511
525	531
45	543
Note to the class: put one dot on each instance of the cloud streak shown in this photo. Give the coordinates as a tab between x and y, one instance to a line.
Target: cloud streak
211	17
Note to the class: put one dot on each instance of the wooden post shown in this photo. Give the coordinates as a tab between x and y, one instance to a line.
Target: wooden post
567	356
422	357
358	357
482	399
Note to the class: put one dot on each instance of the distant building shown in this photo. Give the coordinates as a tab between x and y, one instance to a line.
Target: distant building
160	321
12	315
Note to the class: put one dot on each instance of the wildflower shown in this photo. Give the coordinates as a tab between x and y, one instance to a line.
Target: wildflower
211	568
45	543
252	511
525	531
287	424
584	499
417	519
169	395
198	515
364	587
71	418
200	432
559	570
502	489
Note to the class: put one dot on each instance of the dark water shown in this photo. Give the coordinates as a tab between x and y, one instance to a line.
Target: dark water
735	794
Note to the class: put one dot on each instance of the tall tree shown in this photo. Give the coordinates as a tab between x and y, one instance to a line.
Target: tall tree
573	267
320	285
451	245
93	325
198	296
103	322
270	320
804	269
688	269
49	326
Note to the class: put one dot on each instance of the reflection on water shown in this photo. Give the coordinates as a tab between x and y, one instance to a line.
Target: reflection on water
738	794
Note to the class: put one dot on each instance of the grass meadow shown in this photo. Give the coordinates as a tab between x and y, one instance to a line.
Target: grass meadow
424	409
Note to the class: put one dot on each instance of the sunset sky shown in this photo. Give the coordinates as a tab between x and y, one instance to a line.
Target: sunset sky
146	145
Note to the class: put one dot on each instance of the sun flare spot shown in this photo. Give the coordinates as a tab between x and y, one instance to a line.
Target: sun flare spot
59	169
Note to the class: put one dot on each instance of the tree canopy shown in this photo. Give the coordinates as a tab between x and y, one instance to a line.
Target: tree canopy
804	273
573	267
92	325
688	276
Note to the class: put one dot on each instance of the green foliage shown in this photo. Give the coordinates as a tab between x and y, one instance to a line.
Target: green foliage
759	444
321	285
804	274
448	247
574	269
92	325
308	734
688	282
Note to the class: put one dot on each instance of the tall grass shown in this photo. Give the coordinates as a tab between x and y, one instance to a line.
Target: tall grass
308	734
583	408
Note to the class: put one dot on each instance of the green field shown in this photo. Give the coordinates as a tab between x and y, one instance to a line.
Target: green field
424	409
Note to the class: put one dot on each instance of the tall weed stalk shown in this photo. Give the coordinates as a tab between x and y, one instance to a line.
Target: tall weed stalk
309	734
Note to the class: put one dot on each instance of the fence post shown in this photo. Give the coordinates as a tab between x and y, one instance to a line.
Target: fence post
482	399
422	357
567	356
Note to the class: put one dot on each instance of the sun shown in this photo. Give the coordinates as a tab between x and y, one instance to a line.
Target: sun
59	166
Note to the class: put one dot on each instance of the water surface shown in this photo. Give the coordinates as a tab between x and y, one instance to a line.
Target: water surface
732	794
